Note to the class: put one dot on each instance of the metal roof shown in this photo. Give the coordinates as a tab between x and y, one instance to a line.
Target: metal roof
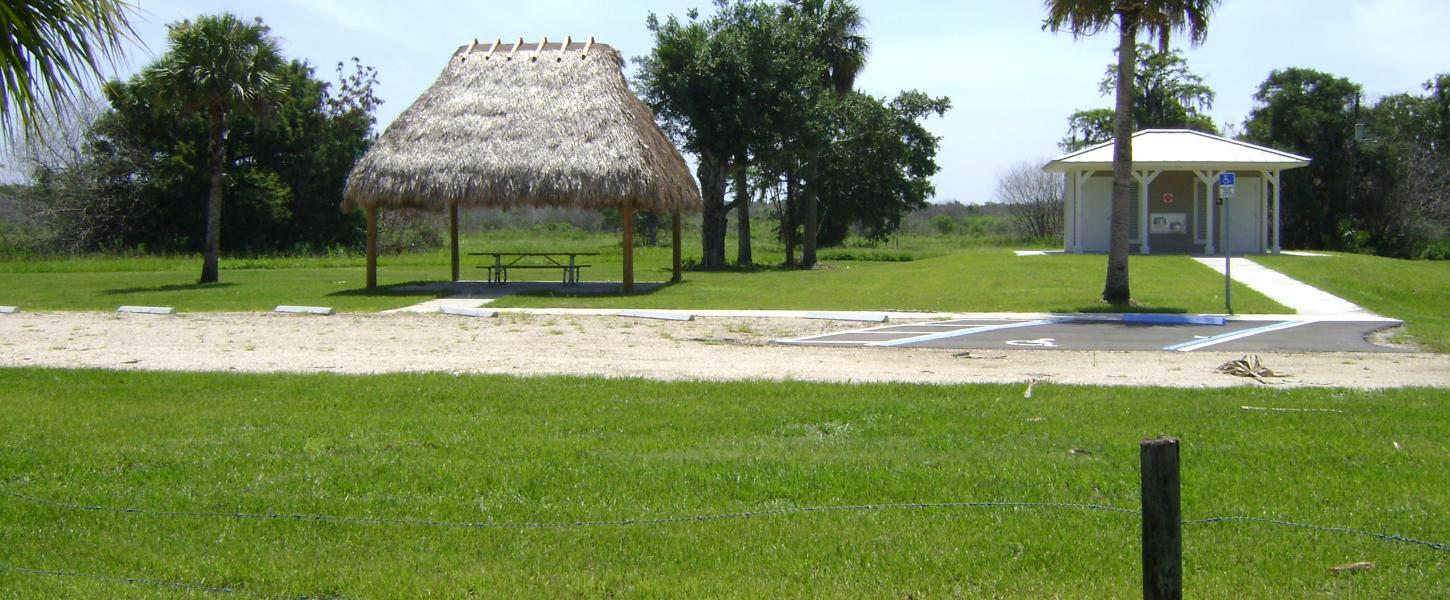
1182	149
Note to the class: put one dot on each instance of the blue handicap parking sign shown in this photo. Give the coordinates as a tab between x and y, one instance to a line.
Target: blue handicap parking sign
1226	179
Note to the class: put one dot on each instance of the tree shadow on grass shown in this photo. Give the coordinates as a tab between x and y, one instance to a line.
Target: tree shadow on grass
607	290
407	288
175	287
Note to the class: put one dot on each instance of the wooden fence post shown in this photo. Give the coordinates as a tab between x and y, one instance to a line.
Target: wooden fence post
1162	524
453	237
626	216
372	245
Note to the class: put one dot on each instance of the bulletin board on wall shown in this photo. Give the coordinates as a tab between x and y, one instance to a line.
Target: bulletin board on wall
1168	224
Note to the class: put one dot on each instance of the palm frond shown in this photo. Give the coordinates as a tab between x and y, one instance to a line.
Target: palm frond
52	47
220	62
1078	17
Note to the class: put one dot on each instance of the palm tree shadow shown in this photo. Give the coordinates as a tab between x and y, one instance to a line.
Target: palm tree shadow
1121	308
175	287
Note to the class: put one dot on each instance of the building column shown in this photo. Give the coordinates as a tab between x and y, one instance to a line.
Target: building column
1263	221
1273	177
1145	180
1069	213
1209	179
1080	179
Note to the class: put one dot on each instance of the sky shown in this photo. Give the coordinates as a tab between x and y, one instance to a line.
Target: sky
1012	85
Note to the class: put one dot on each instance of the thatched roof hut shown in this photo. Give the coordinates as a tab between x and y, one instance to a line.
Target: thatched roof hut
525	124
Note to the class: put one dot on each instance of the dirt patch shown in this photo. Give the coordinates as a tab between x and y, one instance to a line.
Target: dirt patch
1394	336
704	349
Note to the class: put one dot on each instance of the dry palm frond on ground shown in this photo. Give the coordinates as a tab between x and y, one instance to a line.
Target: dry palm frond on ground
1249	366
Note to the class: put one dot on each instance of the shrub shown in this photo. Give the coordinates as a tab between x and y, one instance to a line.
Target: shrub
1437	251
944	224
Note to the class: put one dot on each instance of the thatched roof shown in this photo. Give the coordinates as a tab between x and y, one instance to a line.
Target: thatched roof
519	125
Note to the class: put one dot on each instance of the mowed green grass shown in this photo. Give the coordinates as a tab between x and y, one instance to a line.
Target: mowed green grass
945	277
977	280
238	290
1414	291
561	450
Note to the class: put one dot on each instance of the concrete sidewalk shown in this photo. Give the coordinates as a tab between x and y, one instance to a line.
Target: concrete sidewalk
1305	299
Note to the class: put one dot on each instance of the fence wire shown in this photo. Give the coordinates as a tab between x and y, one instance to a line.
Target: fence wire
1391	537
642	521
569	524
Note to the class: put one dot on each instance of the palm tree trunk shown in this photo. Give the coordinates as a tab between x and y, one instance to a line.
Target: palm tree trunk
742	210
809	209
211	247
712	226
1115	290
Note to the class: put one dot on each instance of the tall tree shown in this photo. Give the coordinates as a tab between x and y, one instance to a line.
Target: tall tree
831	31
225	69
52	47
1167	95
726	87
1158	19
133	174
878	165
1087	128
1310	113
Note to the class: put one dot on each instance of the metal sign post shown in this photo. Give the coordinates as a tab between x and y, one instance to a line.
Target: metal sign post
1226	183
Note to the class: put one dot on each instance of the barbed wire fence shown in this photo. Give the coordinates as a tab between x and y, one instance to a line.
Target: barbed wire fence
620	522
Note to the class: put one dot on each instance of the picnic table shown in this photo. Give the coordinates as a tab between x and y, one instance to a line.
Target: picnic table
567	262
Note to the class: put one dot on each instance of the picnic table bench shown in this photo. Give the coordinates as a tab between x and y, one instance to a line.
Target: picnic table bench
567	262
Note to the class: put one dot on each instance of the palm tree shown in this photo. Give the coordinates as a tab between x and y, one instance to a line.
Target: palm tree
1157	18
223	67
833	32
51	47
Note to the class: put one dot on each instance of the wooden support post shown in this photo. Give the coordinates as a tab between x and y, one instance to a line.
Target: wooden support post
675	240
453	235
1162	524
372	250
626	217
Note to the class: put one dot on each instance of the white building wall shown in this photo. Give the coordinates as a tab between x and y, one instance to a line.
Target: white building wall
1091	224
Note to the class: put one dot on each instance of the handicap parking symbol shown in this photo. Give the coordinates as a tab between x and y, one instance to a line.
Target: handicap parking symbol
1038	343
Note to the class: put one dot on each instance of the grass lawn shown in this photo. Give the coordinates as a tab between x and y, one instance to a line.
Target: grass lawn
238	290
248	284
504	450
1414	291
980	280
948	274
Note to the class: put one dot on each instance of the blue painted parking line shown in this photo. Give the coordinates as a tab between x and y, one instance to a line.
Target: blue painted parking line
1191	345
931	337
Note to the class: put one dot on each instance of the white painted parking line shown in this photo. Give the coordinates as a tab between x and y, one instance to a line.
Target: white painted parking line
822	343
878	330
1192	345
848	316
931	337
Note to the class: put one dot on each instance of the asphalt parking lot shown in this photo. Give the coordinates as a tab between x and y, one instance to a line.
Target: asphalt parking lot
1091	332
